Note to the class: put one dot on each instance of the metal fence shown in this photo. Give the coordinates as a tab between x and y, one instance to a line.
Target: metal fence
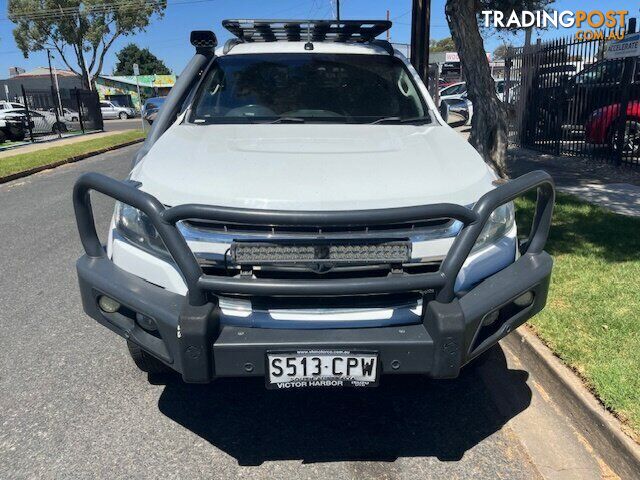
567	97
48	114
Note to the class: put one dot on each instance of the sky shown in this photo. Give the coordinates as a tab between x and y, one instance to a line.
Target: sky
168	37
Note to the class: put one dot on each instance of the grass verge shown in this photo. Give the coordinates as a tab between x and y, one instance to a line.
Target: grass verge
21	162
592	319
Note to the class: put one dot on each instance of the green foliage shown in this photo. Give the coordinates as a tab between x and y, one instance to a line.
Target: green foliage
500	53
81	31
148	63
444	45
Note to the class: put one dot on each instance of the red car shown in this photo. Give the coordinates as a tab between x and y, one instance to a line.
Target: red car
602	127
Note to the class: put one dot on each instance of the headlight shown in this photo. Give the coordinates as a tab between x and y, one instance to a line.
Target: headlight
135	226
498	225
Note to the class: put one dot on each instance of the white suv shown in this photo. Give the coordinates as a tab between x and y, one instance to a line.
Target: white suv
301	212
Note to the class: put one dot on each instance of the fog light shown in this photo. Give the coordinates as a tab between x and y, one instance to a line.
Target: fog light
489	318
108	304
146	322
524	300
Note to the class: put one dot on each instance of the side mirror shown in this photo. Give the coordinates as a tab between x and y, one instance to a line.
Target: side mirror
205	41
454	112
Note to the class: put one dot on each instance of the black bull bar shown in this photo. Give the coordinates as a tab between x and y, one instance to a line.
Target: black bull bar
198	331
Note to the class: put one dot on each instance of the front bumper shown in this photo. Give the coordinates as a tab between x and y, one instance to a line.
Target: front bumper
192	341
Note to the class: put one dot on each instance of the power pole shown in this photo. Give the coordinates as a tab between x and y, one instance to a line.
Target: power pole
337	9
57	94
50	71
55	76
51	76
420	35
54	83
136	72
527	37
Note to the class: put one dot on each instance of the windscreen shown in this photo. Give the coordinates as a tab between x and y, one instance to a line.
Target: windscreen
311	87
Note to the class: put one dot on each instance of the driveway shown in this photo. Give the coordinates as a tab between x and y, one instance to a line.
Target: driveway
72	404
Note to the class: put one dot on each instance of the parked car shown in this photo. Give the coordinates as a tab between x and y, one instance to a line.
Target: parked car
110	111
4	105
594	87
310	219
12	127
70	115
458	91
67	114
454	91
605	125
41	122
151	108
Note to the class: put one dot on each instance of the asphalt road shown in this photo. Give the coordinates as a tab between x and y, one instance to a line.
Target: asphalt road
72	404
129	124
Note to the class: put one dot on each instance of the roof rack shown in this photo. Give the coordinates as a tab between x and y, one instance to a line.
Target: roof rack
306	30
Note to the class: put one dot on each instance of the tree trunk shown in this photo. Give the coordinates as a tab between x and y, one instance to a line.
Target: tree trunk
84	73
488	125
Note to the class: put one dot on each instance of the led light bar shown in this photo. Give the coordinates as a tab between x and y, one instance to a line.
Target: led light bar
253	253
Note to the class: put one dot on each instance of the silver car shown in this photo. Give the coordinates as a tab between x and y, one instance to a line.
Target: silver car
111	110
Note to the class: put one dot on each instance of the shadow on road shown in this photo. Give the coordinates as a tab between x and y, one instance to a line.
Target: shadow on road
406	416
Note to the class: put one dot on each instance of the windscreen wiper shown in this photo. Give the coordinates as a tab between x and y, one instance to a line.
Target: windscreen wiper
286	120
401	120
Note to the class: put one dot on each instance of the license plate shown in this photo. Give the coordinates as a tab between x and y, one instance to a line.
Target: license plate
321	368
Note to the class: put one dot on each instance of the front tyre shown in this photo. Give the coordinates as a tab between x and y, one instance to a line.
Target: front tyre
123	115
631	140
145	362
16	135
58	127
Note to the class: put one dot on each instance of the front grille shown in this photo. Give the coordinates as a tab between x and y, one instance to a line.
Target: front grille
240	229
288	252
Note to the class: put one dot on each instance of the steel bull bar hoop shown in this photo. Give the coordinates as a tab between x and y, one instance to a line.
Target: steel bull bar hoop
199	321
150	206
466	239
165	219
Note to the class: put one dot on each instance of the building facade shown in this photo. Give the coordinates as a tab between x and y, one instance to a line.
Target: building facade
123	90
38	88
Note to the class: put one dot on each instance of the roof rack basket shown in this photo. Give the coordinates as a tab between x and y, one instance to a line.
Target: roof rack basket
359	31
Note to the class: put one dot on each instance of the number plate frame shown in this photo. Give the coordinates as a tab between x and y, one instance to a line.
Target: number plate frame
322	381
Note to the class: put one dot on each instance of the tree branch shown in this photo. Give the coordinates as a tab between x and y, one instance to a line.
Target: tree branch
60	50
96	45
105	48
94	52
